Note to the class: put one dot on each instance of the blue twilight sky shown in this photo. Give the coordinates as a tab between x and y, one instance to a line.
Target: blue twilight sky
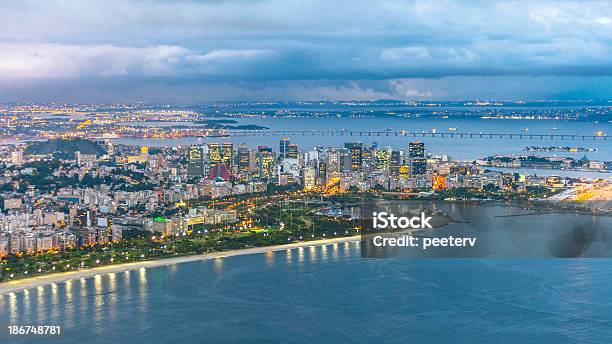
184	51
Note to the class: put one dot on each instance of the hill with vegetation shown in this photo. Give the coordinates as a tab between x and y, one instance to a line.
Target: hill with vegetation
65	148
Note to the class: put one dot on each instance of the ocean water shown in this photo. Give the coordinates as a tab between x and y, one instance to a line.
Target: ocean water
327	294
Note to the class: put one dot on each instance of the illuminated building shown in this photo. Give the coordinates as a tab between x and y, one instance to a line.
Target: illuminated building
418	163
418	166
265	161
322	172
292	151
244	162
395	161
356	154
382	158
17	157
214	153
227	154
195	161
333	161
84	158
309	178
416	149
283	145
438	183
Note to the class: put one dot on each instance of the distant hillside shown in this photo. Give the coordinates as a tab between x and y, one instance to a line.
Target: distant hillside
65	149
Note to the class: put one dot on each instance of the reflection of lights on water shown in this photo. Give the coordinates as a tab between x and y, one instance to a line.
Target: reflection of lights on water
313	253
142	275
142	287
26	300
12	307
218	263
68	290
112	280
112	283
69	305
289	256
40	302
301	254
270	258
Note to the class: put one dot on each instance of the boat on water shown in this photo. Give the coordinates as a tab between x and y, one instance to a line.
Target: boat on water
453	129
525	129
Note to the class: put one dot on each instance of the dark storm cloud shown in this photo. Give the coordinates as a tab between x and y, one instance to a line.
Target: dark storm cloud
366	48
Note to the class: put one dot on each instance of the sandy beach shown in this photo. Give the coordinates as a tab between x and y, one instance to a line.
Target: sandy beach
33	282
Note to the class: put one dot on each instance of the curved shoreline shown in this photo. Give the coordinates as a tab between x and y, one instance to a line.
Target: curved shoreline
33	282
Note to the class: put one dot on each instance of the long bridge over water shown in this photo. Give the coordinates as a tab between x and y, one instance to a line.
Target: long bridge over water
414	134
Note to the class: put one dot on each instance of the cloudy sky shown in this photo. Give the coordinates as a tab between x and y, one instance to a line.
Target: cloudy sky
211	50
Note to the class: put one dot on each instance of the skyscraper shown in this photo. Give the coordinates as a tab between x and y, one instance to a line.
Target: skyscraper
333	161
322	172
418	163
309	178
283	145
292	151
227	154
356	154
395	161
244	161
214	153
265	161
416	149
195	161
382	158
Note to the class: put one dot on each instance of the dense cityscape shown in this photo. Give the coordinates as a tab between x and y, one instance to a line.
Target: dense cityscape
72	203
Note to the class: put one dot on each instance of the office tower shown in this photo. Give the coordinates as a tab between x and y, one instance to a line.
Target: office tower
418	163
214	153
395	161
418	166
265	160
333	161
416	149
244	162
322	171
309	178
382	158
195	161
368	157
356	154
345	161
292	151
227	154
283	145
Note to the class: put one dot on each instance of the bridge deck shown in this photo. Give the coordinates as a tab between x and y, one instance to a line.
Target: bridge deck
414	134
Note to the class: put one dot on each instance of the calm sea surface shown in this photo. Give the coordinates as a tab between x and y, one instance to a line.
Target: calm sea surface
330	294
